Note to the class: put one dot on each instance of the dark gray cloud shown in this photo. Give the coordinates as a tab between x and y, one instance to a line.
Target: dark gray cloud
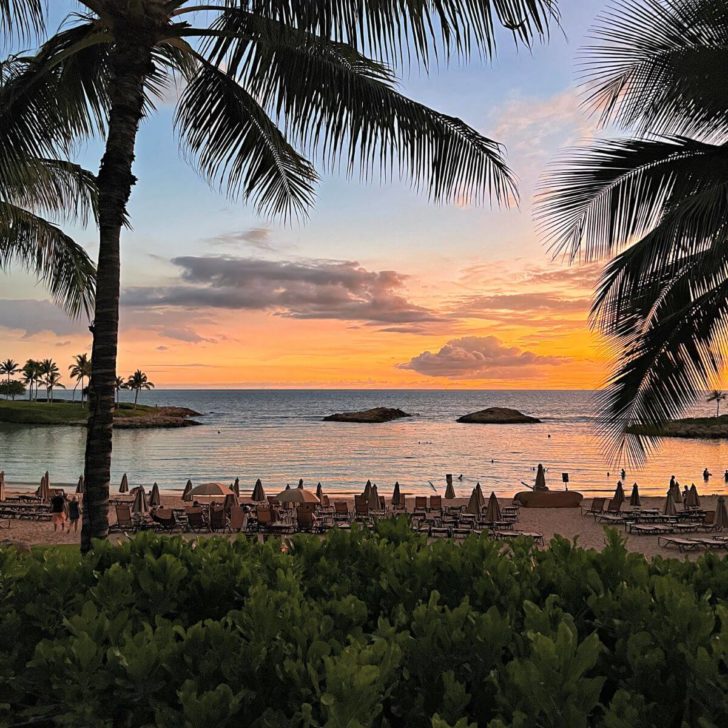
477	357
34	317
308	289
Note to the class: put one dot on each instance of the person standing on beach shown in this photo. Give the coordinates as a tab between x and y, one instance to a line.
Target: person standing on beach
58	510
74	514
706	475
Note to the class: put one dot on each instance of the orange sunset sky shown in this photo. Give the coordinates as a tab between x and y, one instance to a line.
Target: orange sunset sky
379	288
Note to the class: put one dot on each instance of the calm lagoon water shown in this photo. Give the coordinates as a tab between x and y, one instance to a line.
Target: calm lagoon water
278	435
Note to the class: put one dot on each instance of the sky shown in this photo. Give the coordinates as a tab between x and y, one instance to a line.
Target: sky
379	288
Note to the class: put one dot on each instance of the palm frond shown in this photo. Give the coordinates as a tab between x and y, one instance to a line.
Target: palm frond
235	144
22	18
50	254
657	66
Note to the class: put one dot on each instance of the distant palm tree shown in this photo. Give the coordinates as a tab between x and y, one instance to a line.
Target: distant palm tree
717	396
9	367
31	374
120	384
48	369
137	382
657	203
80	370
52	380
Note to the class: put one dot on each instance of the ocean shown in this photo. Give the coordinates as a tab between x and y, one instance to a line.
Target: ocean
279	436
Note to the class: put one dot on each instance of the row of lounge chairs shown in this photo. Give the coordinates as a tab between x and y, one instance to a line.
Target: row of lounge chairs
693	544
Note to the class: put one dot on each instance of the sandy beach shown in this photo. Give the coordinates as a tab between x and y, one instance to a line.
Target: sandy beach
566	522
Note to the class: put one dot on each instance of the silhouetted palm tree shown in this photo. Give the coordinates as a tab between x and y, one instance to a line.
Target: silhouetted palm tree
80	370
261	78
120	384
9	367
659	201
716	396
31	375
137	382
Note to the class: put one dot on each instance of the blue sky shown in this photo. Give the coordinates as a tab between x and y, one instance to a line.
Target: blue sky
526	100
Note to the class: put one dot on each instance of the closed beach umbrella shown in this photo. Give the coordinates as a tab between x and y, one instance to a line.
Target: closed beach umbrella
449	491
319	491
236	487
669	509
140	501
297	495
474	502
540	478
481	497
288	486
634	499
367	490
124	487
2	485
43	491
374	499
154	500
209	490
692	501
619	493
258	492
721	514
493	511
300	483
675	492
396	495
186	492
80	488
230	502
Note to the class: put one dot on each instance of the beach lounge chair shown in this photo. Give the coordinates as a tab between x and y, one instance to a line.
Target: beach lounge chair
420	504
436	503
341	512
361	507
218	519
708	523
682	544
596	507
124	520
164	519
238	519
307	520
650	529
712	543
537	538
196	519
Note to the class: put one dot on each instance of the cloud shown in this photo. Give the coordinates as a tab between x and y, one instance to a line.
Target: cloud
305	289
258	238
478	357
162	348
475	306
34	317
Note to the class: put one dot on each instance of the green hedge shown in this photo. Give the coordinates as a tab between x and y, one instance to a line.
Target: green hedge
360	629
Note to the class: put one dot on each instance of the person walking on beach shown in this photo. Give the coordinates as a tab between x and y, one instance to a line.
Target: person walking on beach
706	475
58	510
74	514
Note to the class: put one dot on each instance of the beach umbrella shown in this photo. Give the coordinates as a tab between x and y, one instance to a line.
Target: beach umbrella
230	502
258	492
618	496
692	501
288	486
493	511
396	495
634	499
154	500
186	492
236	487
80	488
297	495
540	478
43	491
669	509
721	514
675	492
140	501
374	499
210	490
367	490
449	491
124	487
300	483
481	497
2	485
319	491
474	502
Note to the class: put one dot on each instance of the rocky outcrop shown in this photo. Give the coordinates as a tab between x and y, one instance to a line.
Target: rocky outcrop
498	416
376	414
702	428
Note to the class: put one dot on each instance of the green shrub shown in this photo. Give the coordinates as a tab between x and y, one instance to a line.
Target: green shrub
361	629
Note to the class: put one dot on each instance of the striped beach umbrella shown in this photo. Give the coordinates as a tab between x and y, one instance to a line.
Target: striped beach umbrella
258	492
186	492
124	487
449	491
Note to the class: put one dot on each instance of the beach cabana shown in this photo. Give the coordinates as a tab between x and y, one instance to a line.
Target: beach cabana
692	501
209	490
721	514
124	487
669	509
449	490
140	505
258	492
493	511
80	488
634	499
236	487
297	495
396	495
618	493
154	500
186	492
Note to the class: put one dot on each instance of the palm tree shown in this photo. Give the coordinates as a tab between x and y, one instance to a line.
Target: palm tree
657	203
716	396
137	382
79	370
48	371
9	367
31	374
120	384
52	379
265	82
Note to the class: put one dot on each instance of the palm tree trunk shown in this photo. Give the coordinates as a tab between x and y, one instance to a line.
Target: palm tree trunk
136	397
130	64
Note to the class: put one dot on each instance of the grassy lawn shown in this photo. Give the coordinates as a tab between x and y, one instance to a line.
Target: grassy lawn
58	413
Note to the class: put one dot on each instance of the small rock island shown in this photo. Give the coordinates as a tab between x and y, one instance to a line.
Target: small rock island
498	416
376	414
